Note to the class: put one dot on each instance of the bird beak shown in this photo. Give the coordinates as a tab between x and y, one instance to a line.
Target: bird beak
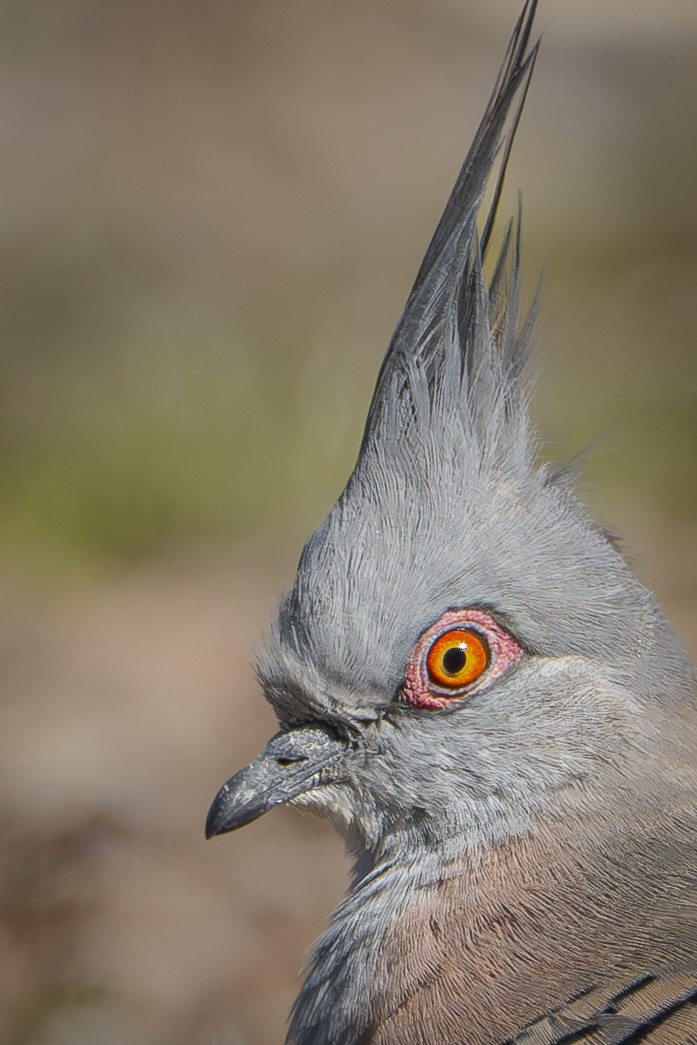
290	764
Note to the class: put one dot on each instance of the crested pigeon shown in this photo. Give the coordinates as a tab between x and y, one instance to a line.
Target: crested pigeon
473	686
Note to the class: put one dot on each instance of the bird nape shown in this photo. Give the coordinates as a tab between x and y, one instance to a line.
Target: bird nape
474	687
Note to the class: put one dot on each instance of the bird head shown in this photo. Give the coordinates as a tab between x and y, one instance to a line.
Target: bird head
464	652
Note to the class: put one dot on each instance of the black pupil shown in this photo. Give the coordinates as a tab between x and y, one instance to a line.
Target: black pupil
454	660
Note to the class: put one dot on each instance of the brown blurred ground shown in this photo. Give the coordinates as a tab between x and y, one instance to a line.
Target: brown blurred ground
211	215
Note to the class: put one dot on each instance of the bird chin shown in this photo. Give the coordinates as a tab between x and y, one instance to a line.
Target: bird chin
360	829
333	803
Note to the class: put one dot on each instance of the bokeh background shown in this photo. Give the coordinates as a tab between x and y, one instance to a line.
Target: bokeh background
210	215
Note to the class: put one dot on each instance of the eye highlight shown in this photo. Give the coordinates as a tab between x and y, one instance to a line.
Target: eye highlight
461	654
457	658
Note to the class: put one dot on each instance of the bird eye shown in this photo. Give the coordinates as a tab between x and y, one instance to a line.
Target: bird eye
457	658
461	654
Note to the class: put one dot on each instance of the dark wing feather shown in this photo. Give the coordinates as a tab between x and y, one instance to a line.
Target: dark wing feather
660	1009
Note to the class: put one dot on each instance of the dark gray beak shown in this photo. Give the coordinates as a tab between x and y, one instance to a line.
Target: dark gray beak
290	764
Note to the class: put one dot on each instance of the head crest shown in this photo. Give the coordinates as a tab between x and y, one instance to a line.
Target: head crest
460	342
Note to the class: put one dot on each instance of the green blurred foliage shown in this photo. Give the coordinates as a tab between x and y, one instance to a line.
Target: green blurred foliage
147	421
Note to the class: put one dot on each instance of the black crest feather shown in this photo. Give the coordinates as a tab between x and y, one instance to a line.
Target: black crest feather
452	308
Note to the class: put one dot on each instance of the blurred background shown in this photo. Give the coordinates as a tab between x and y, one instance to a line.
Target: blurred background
211	215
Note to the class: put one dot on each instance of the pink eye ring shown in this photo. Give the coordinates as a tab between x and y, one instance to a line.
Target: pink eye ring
461	654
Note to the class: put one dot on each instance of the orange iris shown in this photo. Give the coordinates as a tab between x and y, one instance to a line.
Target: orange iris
457	658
